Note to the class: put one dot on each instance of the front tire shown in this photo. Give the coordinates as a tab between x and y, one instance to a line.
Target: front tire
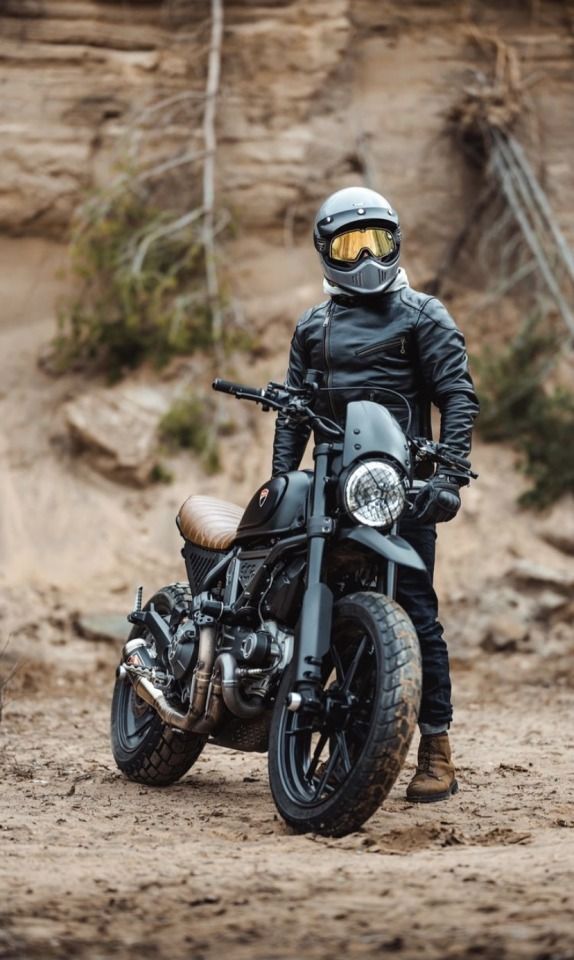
330	774
145	749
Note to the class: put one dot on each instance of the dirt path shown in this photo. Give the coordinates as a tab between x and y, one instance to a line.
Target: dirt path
94	866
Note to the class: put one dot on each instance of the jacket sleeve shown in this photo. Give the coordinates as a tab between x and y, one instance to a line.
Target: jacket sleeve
291	438
444	365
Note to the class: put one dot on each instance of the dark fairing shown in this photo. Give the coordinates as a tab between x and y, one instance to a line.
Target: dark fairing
371	430
279	506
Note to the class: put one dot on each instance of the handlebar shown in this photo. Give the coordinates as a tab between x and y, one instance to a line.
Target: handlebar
226	386
293	401
238	389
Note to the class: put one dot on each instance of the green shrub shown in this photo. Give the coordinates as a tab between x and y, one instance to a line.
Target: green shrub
548	448
120	316
161	474
189	425
516	406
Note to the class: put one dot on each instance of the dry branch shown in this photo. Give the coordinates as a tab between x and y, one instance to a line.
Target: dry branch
489	104
543	204
180	224
205	212
210	145
507	183
165	166
483	119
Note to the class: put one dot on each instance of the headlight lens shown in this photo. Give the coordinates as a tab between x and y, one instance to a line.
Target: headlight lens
375	493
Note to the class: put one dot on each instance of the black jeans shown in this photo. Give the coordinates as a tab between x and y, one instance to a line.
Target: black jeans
416	595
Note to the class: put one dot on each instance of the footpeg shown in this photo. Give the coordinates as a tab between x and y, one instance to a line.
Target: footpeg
138	600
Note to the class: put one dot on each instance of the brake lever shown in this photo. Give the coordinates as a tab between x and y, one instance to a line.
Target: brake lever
457	463
434	451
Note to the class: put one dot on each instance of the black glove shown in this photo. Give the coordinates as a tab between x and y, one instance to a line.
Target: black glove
438	502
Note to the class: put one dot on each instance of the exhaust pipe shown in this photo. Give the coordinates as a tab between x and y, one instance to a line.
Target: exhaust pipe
211	692
224	692
233	699
214	686
155	698
215	707
200	685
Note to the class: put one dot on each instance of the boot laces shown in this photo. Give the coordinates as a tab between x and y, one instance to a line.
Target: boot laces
425	756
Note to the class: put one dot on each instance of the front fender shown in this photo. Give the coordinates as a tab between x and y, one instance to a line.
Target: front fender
389	546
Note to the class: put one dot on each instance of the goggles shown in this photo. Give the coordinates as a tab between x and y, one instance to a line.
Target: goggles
348	247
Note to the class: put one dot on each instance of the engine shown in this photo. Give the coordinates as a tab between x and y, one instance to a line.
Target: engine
183	649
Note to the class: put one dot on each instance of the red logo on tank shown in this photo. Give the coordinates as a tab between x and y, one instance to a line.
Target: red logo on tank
263	496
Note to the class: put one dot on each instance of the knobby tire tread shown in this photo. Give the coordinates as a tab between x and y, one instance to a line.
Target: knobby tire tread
390	736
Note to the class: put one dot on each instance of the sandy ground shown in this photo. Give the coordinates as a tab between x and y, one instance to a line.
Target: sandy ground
94	866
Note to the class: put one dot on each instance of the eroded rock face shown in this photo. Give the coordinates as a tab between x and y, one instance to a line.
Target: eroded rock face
533	576
116	431
75	73
529	610
557	528
505	634
313	97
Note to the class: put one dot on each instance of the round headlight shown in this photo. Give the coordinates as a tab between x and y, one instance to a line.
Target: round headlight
375	493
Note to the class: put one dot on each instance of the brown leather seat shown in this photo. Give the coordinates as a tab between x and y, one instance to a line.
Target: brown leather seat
209	522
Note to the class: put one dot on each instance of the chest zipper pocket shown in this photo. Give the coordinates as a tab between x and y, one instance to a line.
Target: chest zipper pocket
382	345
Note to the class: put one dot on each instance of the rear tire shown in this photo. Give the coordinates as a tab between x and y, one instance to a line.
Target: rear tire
145	749
365	746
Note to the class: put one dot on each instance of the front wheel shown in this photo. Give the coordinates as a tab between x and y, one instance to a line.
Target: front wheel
329	774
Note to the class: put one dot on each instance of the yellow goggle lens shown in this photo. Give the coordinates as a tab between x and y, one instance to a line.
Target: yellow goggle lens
347	247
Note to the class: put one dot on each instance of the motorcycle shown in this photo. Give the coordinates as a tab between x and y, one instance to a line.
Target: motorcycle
286	636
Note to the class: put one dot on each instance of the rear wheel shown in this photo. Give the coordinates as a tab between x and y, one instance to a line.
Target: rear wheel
145	748
329	774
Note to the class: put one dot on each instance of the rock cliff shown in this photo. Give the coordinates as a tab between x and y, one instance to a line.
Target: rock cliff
313	94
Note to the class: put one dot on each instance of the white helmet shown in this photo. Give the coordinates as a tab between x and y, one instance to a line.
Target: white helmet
358	238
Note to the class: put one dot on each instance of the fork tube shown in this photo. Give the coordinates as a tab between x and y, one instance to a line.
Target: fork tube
392	571
317	540
314	631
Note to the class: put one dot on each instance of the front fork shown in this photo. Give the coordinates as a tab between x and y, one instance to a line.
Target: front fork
314	629
387	583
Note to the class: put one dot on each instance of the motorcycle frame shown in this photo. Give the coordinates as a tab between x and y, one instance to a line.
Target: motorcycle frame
313	631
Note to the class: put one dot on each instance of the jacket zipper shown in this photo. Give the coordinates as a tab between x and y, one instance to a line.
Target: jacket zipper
377	347
326	324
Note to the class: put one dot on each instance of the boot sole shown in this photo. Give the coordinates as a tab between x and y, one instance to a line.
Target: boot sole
438	796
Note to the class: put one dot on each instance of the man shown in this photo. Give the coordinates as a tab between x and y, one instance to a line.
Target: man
378	338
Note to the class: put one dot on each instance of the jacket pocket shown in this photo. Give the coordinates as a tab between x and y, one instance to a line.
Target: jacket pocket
383	346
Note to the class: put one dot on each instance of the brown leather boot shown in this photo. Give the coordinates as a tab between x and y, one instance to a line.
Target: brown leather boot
435	777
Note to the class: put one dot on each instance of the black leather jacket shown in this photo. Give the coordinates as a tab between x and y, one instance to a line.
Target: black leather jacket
404	341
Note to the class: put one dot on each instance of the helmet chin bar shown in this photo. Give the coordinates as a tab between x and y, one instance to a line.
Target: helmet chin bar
368	277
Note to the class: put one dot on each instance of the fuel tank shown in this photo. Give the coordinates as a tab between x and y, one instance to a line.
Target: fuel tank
279	506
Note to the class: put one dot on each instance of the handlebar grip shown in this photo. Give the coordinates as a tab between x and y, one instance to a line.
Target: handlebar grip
227	386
